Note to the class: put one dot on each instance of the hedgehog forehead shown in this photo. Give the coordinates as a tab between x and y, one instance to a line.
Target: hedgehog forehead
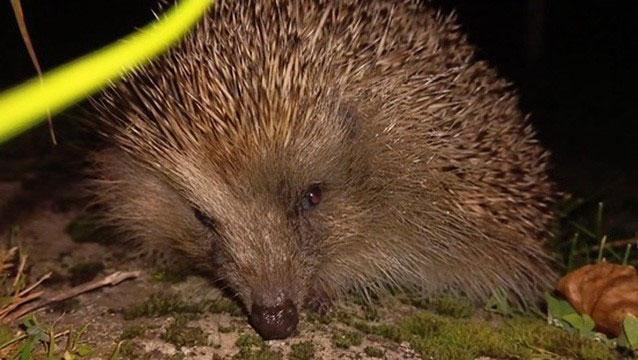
257	182
289	157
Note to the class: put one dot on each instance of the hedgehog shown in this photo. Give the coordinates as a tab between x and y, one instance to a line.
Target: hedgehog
301	150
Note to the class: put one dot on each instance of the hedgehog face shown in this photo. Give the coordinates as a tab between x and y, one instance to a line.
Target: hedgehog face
264	243
272	219
258	247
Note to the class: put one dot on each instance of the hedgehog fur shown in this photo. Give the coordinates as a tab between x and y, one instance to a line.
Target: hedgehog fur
302	149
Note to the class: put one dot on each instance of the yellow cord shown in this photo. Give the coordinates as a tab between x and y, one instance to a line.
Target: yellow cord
25	105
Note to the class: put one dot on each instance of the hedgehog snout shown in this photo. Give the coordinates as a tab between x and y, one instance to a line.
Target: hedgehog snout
274	322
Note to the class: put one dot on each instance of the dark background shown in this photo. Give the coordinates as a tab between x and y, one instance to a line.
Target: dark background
574	64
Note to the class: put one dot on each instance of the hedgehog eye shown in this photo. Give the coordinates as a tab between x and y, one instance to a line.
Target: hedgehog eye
205	220
311	198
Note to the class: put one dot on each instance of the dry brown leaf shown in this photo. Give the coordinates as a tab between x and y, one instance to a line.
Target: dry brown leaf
618	301
606	292
583	287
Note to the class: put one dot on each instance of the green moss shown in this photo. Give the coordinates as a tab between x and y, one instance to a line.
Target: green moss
131	350
84	272
170	276
248	340
370	312
252	347
368	307
453	306
66	306
161	304
226	329
315	317
340	316
343	317
223	305
304	350
6	333
343	339
83	229
433	338
555	340
439	337
387	331
180	334
374	352
263	353
177	356
133	331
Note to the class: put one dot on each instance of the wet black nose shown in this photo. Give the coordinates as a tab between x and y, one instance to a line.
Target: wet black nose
276	322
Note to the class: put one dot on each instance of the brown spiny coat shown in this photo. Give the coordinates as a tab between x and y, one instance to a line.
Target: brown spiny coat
430	177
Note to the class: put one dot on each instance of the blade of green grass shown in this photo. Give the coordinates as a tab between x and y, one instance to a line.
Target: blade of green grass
626	256
601	248
599	221
572	252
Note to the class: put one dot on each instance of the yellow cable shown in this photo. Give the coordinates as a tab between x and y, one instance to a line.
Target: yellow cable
25	105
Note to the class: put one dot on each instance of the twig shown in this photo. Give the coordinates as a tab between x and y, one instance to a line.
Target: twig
13	341
23	262
47	299
36	284
6	256
17	302
64	333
